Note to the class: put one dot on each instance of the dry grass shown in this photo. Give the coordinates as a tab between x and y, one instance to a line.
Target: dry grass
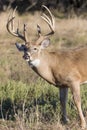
19	125
73	29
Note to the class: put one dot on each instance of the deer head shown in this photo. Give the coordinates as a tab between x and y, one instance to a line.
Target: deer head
32	50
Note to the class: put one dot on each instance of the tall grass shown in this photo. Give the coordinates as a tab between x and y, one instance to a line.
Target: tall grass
71	30
35	103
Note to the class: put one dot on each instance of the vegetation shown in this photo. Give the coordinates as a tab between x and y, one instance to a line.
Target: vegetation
78	6
26	101
35	103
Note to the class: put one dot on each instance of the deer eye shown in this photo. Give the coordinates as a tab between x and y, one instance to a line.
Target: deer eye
35	49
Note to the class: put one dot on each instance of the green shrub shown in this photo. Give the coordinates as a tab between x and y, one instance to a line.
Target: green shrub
39	101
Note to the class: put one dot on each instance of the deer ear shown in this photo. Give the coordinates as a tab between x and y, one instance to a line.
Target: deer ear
45	43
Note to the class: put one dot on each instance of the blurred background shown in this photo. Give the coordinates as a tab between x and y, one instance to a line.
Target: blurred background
27	5
27	102
78	6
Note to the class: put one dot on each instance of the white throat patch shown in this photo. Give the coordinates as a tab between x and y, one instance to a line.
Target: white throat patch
35	63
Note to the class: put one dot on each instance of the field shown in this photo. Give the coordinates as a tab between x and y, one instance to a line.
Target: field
27	102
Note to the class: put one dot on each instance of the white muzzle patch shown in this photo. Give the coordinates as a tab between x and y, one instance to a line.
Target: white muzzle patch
34	63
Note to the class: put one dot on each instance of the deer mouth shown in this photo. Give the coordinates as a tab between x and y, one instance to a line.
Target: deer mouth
26	57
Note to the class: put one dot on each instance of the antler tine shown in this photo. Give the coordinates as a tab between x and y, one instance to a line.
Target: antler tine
46	19
39	30
25	34
13	15
50	21
10	22
48	11
53	21
10	27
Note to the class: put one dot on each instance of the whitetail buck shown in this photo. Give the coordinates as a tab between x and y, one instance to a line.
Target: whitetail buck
62	68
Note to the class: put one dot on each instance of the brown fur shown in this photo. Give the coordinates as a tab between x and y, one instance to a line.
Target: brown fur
65	68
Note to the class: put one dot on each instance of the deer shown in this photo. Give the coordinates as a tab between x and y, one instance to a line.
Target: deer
64	68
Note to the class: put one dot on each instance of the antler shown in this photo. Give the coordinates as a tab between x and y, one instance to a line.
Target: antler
10	28
50	21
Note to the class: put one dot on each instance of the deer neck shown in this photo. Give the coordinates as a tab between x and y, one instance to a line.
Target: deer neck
47	61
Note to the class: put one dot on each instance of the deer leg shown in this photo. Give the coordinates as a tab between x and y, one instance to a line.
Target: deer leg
77	99
63	100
